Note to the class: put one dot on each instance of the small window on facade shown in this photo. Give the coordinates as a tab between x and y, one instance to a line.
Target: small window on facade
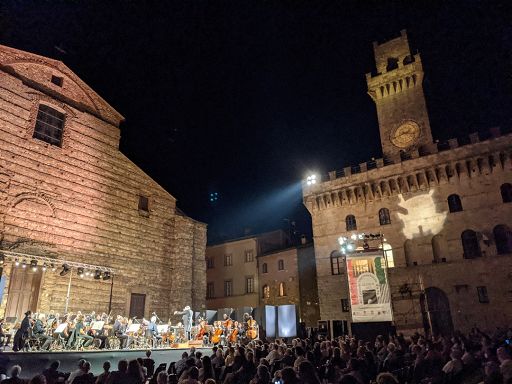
210	263
344	305
143	203
228	288
351	223
228	260
249	256
506	192
282	289
483	297
210	291
454	203
470	244
503	239
266	292
49	125
249	284
384	218
336	263
57	80
264	268
280	265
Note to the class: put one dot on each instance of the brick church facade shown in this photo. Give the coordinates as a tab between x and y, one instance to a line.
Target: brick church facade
69	196
445	212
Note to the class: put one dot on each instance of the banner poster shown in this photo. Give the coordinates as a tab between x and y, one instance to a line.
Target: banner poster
369	288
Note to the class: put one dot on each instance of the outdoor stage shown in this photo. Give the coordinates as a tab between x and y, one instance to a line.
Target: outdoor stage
34	362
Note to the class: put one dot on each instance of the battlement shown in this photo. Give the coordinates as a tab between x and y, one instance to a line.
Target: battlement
377	168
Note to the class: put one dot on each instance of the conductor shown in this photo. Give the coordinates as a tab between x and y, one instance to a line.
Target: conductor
187	319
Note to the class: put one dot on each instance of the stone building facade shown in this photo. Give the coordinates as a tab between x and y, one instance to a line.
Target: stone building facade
262	270
445	211
67	193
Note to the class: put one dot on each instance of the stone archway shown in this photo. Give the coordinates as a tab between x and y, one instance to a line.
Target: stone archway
435	309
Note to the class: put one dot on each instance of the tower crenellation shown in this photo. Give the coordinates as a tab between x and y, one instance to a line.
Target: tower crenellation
397	90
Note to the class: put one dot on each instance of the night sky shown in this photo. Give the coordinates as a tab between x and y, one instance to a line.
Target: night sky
245	98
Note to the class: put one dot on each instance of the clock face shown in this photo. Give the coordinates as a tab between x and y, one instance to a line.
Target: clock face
405	134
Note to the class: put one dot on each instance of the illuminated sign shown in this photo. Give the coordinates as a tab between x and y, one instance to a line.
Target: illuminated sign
368	287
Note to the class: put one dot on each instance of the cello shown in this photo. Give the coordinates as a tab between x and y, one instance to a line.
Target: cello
233	336
217	334
252	330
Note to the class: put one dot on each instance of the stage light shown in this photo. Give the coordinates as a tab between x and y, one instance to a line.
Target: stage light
354	236
17	263
80	272
350	247
310	180
97	274
24	264
44	267
2	258
33	265
106	275
65	270
53	267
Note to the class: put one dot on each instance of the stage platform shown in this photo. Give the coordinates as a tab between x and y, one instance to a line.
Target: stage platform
35	362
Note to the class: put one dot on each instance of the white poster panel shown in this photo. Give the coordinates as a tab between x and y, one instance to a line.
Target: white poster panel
369	287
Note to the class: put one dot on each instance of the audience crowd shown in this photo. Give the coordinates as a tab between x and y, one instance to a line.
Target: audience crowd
473	358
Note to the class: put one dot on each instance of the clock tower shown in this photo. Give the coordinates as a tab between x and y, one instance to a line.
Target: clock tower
397	91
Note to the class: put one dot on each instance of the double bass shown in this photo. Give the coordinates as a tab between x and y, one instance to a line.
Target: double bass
252	330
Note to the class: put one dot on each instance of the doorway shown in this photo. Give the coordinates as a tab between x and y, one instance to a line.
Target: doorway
435	309
23	294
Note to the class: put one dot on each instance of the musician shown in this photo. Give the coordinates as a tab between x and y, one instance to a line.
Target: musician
5	338
39	332
152	330
98	334
187	319
120	331
22	333
81	333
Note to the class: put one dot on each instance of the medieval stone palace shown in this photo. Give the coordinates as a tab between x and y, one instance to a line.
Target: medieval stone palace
445	213
81	226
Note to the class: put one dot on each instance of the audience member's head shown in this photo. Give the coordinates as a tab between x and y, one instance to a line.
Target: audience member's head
193	373
162	378
15	371
106	366
386	378
38	379
148	353
122	365
288	375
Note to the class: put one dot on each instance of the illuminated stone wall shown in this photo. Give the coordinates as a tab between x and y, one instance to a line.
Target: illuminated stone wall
424	235
79	202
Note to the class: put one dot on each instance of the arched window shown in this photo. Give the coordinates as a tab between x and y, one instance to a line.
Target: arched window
351	223
282	289
503	239
384	218
280	265
454	203
266	292
264	268
470	244
336	263
388	253
506	192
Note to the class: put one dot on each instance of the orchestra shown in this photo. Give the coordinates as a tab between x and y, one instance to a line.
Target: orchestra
77	331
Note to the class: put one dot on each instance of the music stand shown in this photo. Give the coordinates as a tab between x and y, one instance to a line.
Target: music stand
61	328
97	325
162	328
133	328
11	320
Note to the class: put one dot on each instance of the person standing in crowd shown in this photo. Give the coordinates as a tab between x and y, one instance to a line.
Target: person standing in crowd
119	376
134	373
87	377
15	376
52	373
76	373
149	364
104	376
181	364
